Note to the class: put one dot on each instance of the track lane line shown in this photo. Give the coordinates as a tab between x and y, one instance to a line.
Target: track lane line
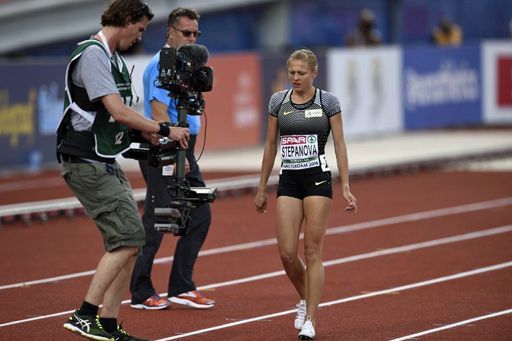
374	254
272	241
453	325
352	298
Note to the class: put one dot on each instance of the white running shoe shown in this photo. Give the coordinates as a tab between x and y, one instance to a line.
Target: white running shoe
301	314
308	331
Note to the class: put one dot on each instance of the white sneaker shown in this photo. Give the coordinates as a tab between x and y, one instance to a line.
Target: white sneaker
301	314
308	331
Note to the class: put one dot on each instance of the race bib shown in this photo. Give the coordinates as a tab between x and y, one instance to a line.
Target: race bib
299	151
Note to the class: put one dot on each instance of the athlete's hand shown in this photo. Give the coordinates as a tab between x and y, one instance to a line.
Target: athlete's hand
352	202
261	201
181	135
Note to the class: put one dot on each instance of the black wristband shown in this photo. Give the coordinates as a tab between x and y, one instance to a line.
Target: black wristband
164	130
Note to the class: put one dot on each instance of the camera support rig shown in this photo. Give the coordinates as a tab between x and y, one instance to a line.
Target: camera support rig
183	73
176	217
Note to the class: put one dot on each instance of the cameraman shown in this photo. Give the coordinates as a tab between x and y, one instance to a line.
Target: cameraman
92	132
182	28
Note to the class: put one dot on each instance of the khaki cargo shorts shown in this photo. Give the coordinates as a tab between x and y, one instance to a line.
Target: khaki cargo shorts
105	193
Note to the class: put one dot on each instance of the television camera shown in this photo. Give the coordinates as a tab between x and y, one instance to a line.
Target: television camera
184	74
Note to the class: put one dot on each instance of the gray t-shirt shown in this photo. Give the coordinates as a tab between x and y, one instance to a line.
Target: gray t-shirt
92	72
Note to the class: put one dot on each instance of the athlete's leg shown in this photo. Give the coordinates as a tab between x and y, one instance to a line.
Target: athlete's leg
289	222
316	213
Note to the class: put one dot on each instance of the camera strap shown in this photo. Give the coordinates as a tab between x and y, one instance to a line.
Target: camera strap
114	58
89	116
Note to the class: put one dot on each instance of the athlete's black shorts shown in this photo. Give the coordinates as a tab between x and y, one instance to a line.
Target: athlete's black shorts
298	184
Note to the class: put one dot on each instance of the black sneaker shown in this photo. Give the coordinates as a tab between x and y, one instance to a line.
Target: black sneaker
88	326
122	335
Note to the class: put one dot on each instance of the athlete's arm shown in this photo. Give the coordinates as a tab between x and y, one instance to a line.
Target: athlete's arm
269	156
340	149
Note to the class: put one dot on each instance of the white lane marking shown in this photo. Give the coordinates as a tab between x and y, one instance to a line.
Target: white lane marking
353	298
478	206
394	250
453	325
330	231
383	252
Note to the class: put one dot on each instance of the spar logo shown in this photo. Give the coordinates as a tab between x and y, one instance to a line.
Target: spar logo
299	151
294	139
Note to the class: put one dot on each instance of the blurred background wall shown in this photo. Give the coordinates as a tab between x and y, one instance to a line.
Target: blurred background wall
405	83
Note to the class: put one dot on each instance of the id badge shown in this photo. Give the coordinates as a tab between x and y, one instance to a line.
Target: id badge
168	170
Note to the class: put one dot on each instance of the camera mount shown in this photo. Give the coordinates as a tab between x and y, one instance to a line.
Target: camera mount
175	218
183	73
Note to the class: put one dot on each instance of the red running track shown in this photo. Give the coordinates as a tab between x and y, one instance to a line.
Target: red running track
424	251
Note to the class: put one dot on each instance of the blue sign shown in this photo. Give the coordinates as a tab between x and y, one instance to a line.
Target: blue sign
442	87
31	104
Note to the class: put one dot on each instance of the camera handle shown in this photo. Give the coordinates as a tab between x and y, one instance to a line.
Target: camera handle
179	173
